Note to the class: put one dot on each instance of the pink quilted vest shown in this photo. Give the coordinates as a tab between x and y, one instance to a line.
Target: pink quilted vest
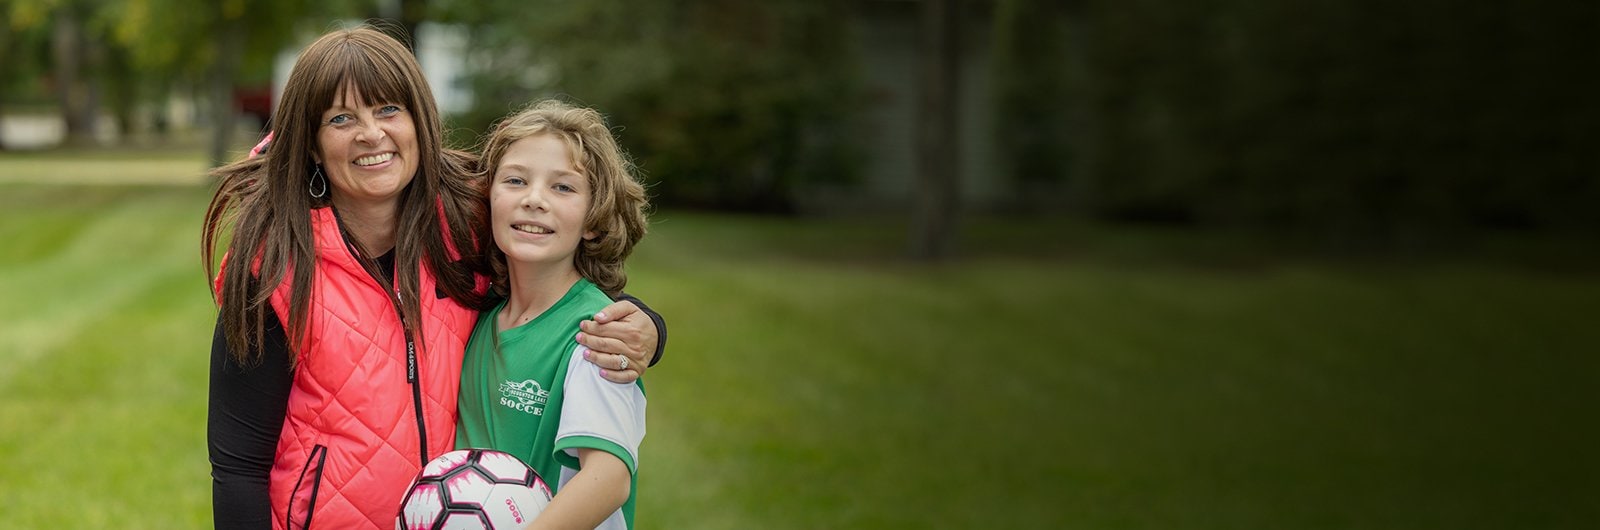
351	442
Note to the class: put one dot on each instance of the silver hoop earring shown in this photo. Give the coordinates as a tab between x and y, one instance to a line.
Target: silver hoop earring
318	186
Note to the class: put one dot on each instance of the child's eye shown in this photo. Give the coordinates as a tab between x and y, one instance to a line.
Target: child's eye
565	188
513	180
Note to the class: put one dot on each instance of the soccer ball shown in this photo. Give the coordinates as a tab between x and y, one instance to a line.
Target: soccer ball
473	489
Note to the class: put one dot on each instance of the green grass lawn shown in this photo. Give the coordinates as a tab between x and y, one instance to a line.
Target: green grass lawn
1059	377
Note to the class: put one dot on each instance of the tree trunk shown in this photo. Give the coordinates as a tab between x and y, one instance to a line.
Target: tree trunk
122	85
69	53
230	46
406	15
938	187
412	14
5	73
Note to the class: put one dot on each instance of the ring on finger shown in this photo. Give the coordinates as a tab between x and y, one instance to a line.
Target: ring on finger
624	365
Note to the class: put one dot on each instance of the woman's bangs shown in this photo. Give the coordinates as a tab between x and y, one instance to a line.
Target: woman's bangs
376	81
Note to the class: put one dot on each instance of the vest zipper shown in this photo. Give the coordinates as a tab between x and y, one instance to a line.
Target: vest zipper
411	378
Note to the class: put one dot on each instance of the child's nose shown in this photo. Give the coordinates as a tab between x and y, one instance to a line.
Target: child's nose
533	198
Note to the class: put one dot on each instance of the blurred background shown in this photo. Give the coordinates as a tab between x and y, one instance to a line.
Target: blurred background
925	263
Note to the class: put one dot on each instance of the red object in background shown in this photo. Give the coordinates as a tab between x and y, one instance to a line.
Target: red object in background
255	102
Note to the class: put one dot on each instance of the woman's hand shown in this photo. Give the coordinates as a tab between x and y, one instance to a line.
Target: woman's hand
621	340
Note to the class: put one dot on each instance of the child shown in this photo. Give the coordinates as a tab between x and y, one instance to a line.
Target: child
564	211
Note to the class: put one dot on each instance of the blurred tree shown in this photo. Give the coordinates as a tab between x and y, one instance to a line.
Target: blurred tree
111	74
7	36
412	14
10	52
82	60
1035	100
1366	123
215	45
726	104
228	34
937	194
400	18
24	51
140	51
73	60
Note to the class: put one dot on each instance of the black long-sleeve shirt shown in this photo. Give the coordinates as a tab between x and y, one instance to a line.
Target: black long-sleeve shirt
246	412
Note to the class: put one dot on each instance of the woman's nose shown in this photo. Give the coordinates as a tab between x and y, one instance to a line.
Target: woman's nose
371	132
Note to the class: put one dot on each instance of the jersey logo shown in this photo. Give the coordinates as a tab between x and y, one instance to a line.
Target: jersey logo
526	397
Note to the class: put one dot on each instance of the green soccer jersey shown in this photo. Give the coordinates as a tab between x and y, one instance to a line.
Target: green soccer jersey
535	397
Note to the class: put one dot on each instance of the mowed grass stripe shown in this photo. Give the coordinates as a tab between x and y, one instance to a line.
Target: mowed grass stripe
118	415
119	244
104	373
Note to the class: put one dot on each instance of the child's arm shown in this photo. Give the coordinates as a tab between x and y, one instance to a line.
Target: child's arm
593	494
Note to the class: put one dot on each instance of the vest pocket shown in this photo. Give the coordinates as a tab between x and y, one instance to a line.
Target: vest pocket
303	501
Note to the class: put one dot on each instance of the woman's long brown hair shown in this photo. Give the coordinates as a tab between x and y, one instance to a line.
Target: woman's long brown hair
266	203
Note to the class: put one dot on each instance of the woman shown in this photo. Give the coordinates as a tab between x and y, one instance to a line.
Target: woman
337	354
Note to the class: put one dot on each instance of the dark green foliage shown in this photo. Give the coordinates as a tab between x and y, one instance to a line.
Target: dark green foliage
1033	69
725	104
24	54
1365	122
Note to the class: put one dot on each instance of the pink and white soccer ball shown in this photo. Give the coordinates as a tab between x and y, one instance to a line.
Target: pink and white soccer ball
473	489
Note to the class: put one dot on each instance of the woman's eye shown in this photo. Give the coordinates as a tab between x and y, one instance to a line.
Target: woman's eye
389	109
340	119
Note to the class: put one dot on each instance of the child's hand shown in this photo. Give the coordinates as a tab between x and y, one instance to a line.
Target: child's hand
621	339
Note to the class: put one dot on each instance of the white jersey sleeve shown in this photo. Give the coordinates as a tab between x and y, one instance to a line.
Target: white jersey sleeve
599	414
